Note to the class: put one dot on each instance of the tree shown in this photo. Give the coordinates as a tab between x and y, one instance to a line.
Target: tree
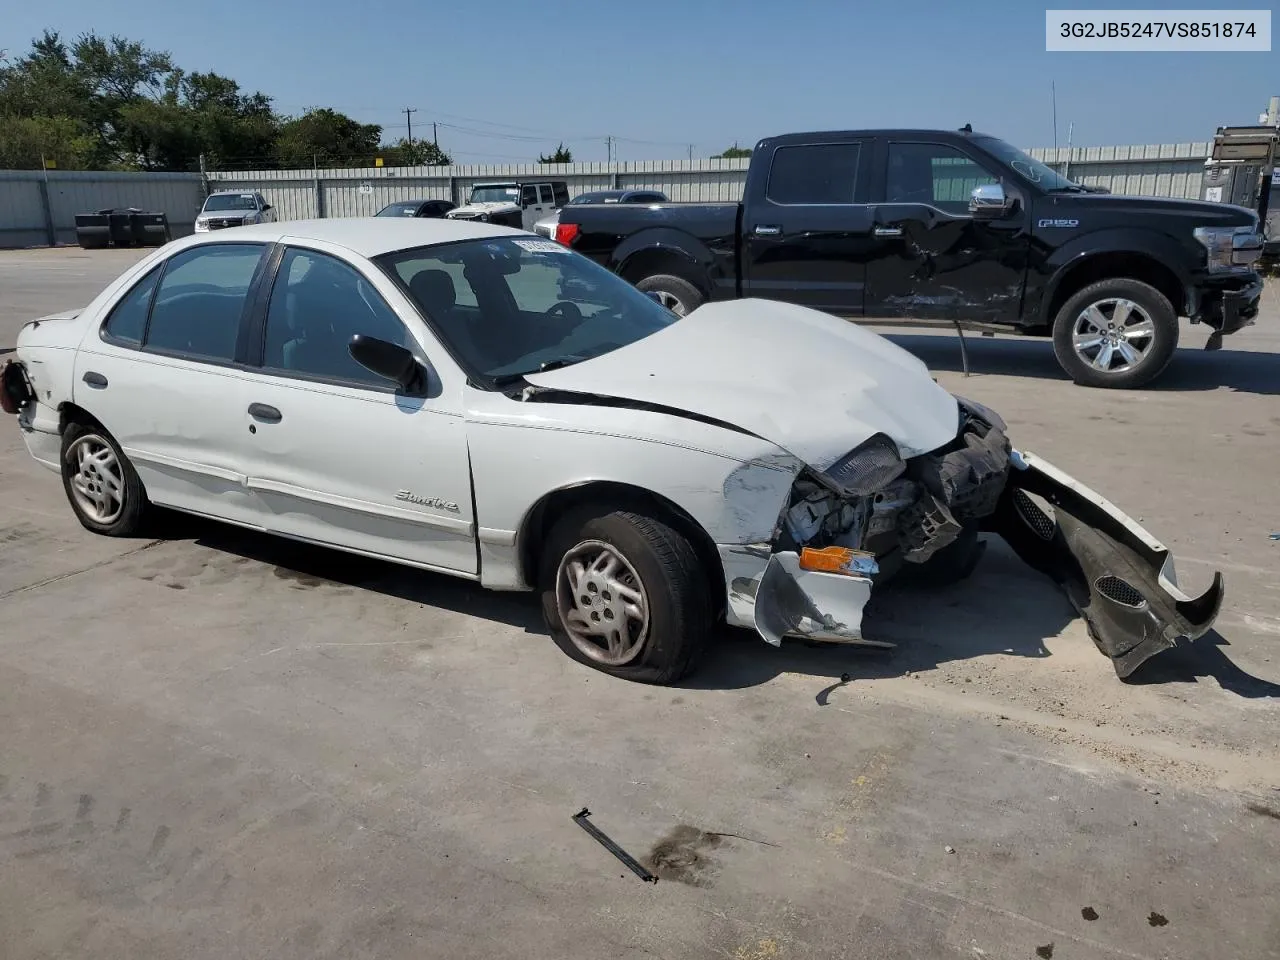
419	153
562	155
27	142
324	136
733	153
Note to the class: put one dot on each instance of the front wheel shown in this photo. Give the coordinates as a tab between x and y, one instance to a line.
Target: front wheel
624	593
100	482
1116	333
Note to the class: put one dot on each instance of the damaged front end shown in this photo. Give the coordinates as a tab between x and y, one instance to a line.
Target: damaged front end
872	516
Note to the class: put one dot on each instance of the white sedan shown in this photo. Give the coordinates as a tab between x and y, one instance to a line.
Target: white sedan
425	391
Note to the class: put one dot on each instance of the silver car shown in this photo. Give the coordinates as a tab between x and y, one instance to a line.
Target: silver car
547	225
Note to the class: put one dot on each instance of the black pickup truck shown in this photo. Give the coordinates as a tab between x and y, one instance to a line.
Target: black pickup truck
946	226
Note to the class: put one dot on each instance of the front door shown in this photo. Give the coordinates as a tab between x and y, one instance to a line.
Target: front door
932	259
160	375
535	203
808	239
337	454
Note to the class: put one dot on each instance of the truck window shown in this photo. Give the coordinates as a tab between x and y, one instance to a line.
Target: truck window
824	173
560	190
528	196
544	193
933	174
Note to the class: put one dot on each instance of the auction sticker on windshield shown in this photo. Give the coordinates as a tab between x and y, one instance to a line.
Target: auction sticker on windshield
540	246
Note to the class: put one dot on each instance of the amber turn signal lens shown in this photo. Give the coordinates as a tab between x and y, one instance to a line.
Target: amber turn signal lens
827	560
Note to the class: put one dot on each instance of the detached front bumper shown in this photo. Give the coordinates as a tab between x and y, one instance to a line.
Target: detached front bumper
1228	309
1119	577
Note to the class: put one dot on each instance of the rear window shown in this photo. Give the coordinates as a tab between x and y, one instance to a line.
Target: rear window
819	173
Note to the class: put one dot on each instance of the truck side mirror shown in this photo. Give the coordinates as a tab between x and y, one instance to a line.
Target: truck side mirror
989	202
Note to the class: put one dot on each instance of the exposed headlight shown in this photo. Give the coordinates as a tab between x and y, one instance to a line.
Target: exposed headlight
983	413
867	468
1229	248
202	226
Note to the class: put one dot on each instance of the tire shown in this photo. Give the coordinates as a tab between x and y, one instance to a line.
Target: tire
678	295
127	507
1154	351
667	642
950	565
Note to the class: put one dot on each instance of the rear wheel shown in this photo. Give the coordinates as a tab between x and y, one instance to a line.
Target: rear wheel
100	482
624	593
1116	333
675	293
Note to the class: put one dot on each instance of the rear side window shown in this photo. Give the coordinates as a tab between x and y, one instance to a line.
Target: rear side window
544	193
820	173
197	309
560	192
128	319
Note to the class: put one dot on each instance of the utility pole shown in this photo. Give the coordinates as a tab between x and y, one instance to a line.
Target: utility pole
408	115
691	153
608	145
434	137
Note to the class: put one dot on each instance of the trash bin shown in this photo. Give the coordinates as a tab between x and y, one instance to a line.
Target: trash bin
92	231
150	229
121	227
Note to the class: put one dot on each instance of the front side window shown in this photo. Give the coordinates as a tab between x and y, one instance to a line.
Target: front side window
505	307
933	174
819	173
128	319
202	295
318	303
528	196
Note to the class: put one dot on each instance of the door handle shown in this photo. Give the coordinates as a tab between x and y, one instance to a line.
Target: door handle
94	379
767	230
261	411
888	231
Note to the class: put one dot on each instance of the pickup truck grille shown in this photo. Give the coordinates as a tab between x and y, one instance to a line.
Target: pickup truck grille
463	216
219	223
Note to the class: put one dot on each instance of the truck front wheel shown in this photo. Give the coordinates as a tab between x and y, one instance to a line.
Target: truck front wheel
1115	333
676	294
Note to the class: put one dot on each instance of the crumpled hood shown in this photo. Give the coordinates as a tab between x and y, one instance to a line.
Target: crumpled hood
813	384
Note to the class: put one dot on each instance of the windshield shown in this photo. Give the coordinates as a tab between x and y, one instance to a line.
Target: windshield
510	306
1045	177
499	194
398	210
231	201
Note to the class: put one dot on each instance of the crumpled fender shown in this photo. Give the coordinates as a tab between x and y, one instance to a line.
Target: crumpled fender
794	602
1118	577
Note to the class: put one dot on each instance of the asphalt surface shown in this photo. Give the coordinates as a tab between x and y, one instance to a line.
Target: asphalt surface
219	745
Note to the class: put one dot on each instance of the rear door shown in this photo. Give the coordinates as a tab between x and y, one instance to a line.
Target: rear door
162	375
932	259
807	240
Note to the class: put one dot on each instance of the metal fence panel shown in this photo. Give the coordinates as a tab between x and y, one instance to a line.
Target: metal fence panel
22	222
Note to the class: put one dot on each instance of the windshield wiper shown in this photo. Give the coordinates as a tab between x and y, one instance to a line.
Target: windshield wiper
556	364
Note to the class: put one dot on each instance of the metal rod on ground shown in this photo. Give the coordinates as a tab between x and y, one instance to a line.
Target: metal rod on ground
580	818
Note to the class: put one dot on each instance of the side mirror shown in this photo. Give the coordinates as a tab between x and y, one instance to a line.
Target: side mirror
266	206
388	360
989	201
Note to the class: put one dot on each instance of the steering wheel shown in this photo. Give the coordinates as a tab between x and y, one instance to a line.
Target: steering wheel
570	311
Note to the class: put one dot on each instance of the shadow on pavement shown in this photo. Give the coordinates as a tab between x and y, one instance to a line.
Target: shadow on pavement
1005	609
1240	370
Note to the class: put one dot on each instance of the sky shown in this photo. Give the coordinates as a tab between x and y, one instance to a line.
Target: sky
507	80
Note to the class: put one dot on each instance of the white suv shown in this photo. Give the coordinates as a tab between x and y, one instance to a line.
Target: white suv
233	208
513	203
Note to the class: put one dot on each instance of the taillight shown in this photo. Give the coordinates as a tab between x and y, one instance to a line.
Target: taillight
566	233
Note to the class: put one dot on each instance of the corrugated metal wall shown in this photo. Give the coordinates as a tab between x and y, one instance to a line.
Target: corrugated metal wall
1163	170
22	205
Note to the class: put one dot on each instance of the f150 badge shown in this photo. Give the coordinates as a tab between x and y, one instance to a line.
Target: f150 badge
1058	223
436	502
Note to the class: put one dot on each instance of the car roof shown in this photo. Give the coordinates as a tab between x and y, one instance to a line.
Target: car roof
367	236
